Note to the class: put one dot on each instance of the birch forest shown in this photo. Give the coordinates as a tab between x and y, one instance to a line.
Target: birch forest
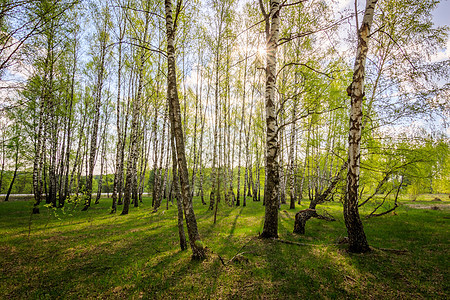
208	106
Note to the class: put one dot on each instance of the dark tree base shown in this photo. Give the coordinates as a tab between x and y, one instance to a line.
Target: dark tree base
85	208
268	235
301	218
359	249
199	253
35	210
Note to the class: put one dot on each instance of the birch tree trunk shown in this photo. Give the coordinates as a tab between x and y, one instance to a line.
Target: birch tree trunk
158	172
98	100
103	158
176	188
37	170
16	167
198	250
200	153
155	163
292	146
238	196
119	162
69	128
214	168
131	177
270	229
356	236
3	161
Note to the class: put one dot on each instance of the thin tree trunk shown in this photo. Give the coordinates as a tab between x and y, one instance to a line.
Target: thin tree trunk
69	130
155	164
131	177
198	250
16	167
200	159
176	189
3	161
102	160
214	169
37	181
293	195
198	98
119	162
97	104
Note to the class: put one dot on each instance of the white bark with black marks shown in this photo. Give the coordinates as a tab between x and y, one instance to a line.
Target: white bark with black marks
198	250
270	229
357	238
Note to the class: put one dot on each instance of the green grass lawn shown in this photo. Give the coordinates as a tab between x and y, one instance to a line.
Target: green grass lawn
74	254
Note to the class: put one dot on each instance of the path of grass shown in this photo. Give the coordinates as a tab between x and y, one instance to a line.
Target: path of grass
97	255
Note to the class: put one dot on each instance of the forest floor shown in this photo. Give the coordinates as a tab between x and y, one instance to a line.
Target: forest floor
68	254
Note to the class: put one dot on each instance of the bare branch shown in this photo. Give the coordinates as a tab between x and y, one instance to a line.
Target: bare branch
389	210
377	189
140	10
307	114
304	65
405	55
284	40
263	10
292	4
146	48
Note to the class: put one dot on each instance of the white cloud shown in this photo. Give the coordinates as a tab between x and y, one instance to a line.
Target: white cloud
442	55
343	4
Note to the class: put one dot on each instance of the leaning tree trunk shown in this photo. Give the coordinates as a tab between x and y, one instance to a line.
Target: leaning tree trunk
198	250
16	167
303	216
356	236
270	229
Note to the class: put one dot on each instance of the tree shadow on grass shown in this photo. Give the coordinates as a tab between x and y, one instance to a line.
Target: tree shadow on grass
138	256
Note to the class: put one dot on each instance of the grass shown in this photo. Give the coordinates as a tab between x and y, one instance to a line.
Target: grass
73	254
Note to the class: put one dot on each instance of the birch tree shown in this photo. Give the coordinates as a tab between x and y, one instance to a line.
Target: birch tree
198	250
272	22
100	68
357	238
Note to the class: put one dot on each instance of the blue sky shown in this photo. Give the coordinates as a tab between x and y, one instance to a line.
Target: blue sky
442	13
